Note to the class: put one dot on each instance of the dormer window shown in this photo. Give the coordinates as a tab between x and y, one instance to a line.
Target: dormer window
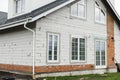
79	9
100	14
19	6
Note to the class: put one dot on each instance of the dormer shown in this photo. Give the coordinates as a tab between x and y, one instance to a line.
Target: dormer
16	8
20	7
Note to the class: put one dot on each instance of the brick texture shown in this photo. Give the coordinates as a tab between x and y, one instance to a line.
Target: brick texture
16	68
110	41
45	69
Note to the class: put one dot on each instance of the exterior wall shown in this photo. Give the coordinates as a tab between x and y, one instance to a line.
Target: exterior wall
110	42
117	42
16	47
62	23
29	6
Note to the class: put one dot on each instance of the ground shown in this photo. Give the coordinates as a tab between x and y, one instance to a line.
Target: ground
107	76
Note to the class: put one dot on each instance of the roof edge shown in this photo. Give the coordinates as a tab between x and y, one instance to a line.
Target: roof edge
32	19
114	11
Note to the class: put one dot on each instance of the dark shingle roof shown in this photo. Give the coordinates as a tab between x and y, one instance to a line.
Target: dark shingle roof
38	11
3	17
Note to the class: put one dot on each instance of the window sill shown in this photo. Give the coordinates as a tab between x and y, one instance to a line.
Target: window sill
97	22
100	67
76	17
78	61
53	62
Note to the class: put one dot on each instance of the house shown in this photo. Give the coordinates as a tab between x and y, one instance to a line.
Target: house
60	37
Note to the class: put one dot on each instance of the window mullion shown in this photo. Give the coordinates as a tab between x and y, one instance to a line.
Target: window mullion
58	48
53	48
100	55
48	47
78	50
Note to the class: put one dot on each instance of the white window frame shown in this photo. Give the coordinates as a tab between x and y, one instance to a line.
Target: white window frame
77	61
100	13
19	8
101	66
85	10
58	48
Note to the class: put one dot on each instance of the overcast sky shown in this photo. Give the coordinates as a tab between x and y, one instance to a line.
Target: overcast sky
4	5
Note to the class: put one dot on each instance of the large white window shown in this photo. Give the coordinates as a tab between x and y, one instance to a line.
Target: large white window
78	49
100	50
100	14
53	47
19	6
79	9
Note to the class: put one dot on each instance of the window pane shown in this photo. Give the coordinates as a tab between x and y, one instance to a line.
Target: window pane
17	6
74	10
50	42
81	10
103	53
50	55
100	53
55	55
78	9
97	14
102	17
82	49
50	47
74	48
20	4
55	47
97	53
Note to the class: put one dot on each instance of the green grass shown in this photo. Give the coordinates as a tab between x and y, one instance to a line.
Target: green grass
109	76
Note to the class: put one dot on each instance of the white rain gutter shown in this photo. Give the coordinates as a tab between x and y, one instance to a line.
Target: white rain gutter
33	64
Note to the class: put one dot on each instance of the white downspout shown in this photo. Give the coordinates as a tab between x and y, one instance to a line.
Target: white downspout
33	64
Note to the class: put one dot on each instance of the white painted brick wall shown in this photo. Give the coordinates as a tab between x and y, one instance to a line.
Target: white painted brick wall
61	22
16	48
117	42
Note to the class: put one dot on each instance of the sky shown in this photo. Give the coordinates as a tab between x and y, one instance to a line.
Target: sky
4	5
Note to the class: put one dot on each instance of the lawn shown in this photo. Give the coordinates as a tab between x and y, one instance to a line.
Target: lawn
109	76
